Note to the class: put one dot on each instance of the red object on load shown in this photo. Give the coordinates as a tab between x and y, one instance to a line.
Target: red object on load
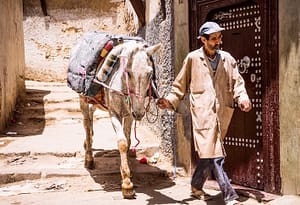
143	160
106	49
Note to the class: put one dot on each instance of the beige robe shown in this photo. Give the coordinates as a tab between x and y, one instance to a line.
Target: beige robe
211	98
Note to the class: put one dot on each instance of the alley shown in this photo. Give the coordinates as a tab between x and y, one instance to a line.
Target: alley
42	135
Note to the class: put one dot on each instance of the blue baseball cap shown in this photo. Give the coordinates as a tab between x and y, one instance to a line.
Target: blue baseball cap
209	27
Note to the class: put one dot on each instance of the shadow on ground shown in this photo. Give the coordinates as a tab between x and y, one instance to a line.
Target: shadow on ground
147	179
29	116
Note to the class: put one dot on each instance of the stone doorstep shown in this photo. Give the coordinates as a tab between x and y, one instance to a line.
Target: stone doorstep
258	195
30	166
41	154
33	174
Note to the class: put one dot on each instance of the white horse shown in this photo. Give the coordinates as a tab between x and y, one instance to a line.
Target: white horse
124	92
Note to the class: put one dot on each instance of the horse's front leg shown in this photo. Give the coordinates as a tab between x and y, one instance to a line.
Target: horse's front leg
127	125
87	113
123	133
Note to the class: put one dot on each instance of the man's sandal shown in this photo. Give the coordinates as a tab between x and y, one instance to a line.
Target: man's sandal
234	202
200	194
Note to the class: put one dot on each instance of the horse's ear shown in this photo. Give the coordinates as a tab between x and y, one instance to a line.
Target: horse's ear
153	49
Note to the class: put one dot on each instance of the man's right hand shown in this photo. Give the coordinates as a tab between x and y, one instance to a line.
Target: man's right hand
163	103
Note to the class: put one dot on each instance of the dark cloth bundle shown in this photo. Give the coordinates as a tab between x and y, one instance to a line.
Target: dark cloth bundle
84	61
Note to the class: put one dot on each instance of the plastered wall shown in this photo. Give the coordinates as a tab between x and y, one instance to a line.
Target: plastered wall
289	95
11	58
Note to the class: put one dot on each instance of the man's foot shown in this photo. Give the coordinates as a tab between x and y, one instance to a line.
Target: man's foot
233	202
200	194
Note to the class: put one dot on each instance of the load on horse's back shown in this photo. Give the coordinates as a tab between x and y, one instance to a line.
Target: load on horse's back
115	74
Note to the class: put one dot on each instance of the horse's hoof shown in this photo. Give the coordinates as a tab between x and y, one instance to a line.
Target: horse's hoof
89	164
128	193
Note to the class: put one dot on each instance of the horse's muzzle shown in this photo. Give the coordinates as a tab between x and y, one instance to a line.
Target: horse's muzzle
138	116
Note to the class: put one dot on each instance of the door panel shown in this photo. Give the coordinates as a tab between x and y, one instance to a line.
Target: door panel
243	143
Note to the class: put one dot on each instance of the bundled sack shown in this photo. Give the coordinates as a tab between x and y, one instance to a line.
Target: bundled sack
84	61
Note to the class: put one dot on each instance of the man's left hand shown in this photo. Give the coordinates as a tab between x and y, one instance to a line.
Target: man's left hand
245	105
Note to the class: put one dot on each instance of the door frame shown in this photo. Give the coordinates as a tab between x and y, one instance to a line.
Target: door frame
198	11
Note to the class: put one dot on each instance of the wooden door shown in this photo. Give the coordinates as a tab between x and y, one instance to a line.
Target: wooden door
251	144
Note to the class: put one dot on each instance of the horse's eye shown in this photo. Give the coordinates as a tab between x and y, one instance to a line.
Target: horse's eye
150	76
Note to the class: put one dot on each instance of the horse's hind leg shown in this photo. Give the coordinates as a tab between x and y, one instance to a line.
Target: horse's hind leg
87	113
123	146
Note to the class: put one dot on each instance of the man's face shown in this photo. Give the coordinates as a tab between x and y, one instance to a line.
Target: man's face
214	42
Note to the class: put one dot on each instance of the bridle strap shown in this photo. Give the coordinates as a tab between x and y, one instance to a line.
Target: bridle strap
123	65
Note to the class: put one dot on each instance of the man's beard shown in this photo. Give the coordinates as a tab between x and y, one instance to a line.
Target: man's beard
217	47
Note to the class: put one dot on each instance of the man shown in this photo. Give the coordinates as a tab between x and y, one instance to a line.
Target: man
214	82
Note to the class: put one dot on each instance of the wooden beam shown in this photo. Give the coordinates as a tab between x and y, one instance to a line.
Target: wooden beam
139	9
44	7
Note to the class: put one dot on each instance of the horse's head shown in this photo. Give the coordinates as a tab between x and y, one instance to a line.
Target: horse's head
138	74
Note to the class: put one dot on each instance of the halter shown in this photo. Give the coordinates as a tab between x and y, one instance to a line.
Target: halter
123	64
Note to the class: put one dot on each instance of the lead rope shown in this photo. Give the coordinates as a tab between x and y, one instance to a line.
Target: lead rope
151	110
150	97
150	91
133	149
123	63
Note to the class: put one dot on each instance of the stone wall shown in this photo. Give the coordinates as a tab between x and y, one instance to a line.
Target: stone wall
49	38
289	95
159	29
171	30
11	58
